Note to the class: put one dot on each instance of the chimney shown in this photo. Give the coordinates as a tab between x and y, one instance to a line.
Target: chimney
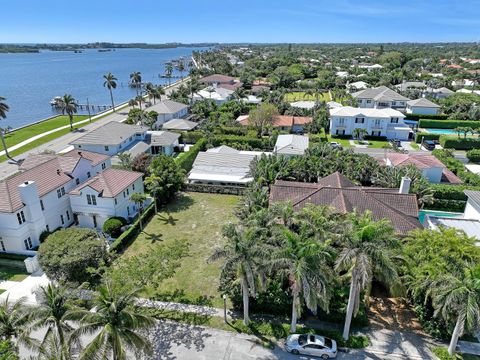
58	171
405	185
28	192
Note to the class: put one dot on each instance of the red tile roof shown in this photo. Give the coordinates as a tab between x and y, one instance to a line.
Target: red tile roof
337	192
48	176
232	87
282	120
217	78
109	183
95	158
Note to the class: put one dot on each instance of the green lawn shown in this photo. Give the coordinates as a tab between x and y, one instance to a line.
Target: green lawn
345	142
299	96
12	273
376	144
197	218
18	136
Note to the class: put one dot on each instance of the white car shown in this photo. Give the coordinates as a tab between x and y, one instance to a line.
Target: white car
308	344
336	145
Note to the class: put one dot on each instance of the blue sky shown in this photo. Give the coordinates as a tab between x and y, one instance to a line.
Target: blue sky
159	21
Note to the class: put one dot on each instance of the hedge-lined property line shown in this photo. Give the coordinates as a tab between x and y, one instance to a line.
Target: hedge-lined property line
448	124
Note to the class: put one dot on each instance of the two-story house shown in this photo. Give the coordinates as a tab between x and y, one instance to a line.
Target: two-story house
35	200
380	98
105	195
110	139
377	122
168	110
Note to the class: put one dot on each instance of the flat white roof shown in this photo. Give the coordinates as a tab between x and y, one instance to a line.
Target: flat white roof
349	111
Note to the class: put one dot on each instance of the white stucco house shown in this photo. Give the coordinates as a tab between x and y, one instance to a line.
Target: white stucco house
105	195
36	200
218	94
377	122
290	145
380	98
110	139
422	106
168	110
155	143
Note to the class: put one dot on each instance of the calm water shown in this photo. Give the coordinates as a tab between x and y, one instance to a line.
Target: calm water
30	81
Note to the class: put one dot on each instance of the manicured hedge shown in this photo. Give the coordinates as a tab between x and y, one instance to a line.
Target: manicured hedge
316	138
191	137
454	142
447	205
420	136
186	160
256	143
422	116
375	138
132	232
448	124
334	136
13	256
474	155
451	192
231	130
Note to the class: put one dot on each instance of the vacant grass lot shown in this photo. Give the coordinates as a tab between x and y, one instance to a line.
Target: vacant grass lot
197	218
300	96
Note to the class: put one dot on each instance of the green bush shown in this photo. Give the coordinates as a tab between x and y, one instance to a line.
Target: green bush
442	354
232	130
448	124
451	192
13	256
423	116
113	225
474	155
454	142
131	233
191	137
447	205
316	138
335	136
420	136
375	138
185	160
265	144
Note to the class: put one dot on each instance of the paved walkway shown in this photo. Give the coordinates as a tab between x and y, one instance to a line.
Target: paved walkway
25	288
59	144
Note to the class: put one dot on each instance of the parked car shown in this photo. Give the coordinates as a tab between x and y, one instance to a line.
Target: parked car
428	144
336	145
314	345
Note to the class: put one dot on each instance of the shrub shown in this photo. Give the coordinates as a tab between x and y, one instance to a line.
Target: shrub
232	130
254	142
375	138
422	116
185	160
420	136
131	233
113	226
453	142
448	124
474	155
442	354
191	137
335	136
68	254
447	205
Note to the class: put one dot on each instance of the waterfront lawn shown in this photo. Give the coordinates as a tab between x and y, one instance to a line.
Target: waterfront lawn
300	96
197	218
25	133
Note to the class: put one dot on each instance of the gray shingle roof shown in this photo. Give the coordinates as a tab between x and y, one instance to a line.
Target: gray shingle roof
381	92
112	133
179	124
473	195
161	138
422	103
168	107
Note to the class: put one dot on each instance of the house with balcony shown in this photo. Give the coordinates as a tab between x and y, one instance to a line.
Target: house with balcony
380	98
110	139
106	195
36	199
377	122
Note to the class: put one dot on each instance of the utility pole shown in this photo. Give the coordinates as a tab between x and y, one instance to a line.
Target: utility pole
88	107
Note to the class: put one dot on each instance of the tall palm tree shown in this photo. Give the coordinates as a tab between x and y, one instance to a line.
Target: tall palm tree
139	100
169	71
303	261
110	83
139	199
181	68
151	91
68	105
15	322
132	103
366	252
243	255
154	185
117	325
136	79
3	115
159	91
52	312
456	297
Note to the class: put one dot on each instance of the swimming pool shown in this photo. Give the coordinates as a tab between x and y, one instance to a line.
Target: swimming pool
422	213
440	131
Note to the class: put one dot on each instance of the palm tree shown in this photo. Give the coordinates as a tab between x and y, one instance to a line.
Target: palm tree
125	160
139	100
139	199
68	105
308	93
154	185
359	133
132	103
14	322
52	312
168	71
116	323
110	83
159	91
136	79
181	68
365	252
243	256
3	115
456	297
304	262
